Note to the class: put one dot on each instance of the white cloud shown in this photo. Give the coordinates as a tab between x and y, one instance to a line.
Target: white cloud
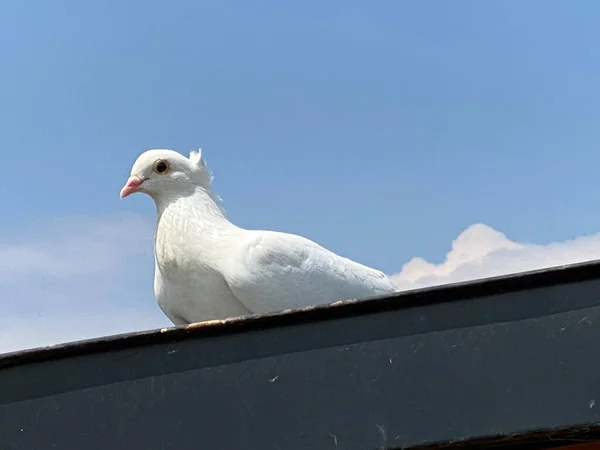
480	252
71	247
77	278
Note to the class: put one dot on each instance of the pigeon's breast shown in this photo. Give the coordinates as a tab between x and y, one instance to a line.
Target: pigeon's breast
189	288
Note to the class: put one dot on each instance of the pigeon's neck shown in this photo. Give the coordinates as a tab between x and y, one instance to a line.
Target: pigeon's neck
191	232
200	206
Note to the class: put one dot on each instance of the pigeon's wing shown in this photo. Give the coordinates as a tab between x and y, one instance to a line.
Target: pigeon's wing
271	271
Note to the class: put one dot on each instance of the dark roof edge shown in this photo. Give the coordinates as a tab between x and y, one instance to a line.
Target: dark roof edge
402	300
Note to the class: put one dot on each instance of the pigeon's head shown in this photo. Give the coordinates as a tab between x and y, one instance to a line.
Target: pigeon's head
162	172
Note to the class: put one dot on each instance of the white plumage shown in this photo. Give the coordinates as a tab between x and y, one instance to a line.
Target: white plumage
208	268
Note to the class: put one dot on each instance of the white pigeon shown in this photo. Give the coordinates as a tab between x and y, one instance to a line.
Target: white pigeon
207	268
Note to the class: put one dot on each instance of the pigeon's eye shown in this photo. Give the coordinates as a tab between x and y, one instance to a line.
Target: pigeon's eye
161	166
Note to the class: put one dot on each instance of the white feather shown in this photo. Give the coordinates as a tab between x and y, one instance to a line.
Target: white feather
269	271
196	158
208	268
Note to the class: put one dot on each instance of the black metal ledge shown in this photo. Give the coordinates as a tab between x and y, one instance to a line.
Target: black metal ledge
492	361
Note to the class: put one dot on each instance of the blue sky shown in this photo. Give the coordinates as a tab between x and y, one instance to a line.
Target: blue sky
381	130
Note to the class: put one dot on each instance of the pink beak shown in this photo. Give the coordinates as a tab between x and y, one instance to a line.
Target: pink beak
132	185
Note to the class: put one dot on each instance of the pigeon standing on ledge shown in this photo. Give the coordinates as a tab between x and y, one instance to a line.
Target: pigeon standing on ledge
208	268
